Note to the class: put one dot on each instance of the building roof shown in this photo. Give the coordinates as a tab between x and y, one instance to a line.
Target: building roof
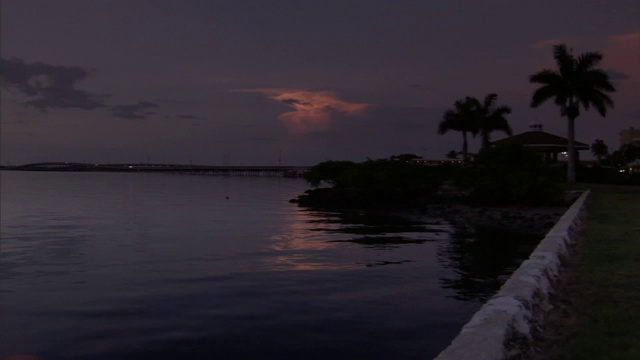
540	139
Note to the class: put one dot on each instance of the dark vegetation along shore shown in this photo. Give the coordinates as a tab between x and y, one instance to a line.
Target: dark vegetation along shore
510	187
499	207
501	176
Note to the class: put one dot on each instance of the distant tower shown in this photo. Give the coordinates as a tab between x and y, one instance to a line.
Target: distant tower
535	125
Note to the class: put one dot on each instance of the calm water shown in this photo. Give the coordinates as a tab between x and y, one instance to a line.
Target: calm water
154	266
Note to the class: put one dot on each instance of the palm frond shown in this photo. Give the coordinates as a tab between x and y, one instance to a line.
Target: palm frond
545	77
462	117
588	61
599	79
490	101
502	111
564	59
498	123
448	122
606	99
562	97
492	118
601	102
543	94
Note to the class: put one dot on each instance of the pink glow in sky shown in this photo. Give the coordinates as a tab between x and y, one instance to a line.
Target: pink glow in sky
313	111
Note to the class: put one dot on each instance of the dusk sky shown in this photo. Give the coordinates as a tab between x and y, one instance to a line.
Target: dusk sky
256	82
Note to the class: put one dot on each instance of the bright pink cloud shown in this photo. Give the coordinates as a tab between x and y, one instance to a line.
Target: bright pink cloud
313	111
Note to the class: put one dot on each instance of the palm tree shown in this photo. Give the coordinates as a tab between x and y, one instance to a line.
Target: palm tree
575	84
599	149
463	118
492	119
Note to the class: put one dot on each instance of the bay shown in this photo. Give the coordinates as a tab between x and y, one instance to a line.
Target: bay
137	266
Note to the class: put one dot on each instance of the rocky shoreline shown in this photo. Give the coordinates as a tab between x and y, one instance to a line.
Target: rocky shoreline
455	209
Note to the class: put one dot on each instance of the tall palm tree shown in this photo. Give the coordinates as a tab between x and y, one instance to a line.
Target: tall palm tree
599	149
464	118
575	84
492	118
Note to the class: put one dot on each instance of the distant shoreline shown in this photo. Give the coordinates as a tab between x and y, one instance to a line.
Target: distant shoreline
287	171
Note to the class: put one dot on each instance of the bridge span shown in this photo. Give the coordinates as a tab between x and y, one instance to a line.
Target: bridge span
286	171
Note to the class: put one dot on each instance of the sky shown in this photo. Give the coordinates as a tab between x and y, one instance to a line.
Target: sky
281	82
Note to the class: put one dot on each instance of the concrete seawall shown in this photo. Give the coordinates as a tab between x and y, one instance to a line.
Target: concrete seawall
504	327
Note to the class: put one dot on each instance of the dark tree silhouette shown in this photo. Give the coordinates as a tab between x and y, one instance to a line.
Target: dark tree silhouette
405	157
464	118
575	84
599	149
492	118
623	156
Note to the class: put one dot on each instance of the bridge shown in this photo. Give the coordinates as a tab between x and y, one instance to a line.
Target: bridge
285	171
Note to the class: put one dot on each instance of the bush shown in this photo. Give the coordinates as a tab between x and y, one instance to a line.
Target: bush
334	173
394	176
606	175
511	175
378	176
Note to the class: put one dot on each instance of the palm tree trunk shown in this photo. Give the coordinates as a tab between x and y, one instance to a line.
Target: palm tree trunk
571	150
464	146
485	140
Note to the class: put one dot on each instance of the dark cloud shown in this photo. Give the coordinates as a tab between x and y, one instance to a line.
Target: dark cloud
296	102
137	111
191	117
49	86
617	75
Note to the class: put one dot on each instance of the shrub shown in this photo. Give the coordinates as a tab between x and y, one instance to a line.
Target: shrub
606	175
334	173
511	175
377	176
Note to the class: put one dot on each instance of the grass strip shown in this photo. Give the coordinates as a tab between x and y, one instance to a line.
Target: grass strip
605	288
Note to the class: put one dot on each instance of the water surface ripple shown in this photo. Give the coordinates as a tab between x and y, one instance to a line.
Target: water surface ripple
133	266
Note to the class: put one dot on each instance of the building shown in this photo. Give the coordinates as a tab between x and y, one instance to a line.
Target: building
553	147
630	136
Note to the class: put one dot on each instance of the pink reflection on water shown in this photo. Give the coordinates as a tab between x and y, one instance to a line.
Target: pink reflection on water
300	262
299	247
